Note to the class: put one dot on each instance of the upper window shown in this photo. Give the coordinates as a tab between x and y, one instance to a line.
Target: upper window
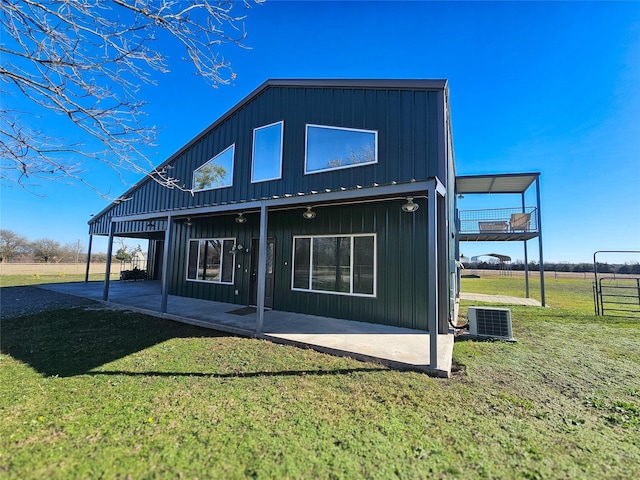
344	264
267	152
211	260
216	173
331	148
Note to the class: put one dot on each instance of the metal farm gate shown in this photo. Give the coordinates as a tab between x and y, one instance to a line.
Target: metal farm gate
616	295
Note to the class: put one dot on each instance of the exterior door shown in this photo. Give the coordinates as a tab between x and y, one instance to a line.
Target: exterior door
158	257
253	286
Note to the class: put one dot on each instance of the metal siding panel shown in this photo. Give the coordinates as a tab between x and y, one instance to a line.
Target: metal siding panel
401	261
210	227
407	144
421	137
432	132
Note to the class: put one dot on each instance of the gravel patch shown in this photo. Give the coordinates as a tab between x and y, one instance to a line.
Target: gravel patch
18	301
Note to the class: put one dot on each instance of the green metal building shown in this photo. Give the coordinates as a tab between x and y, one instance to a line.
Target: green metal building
325	197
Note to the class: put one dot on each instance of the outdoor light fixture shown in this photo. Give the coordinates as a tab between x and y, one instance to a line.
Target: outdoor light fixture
460	196
309	214
150	225
410	207
236	249
188	222
241	219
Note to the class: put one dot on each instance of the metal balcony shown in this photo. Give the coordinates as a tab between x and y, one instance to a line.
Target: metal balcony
498	224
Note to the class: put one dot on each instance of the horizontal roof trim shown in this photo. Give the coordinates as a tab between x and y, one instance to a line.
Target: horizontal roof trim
410	84
496	183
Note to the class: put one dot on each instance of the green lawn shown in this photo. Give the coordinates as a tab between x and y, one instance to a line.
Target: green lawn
102	394
37	279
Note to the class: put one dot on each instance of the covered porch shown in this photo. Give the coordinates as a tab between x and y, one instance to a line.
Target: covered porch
513	223
259	221
396	347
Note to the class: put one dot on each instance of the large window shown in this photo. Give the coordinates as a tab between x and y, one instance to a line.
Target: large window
267	152
211	260
216	173
344	264
331	148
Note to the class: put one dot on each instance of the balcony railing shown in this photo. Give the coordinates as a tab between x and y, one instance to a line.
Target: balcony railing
497	222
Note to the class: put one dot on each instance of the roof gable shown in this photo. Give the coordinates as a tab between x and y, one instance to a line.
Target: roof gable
400	99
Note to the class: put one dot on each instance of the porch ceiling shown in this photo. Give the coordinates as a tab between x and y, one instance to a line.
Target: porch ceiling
499	183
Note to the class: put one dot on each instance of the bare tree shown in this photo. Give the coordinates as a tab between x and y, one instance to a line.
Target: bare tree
73	250
86	60
11	245
47	250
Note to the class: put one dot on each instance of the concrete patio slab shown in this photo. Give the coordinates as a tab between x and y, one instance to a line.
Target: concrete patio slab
504	299
396	347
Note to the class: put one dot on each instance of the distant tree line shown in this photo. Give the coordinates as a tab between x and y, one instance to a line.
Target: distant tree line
16	248
629	268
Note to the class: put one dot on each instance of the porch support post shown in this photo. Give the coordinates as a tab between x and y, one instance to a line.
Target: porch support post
166	266
107	274
526	268
432	273
86	273
526	259
542	299
262	268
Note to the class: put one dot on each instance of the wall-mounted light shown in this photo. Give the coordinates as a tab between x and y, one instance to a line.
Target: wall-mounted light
150	225
236	249
460	196
410	207
309	214
188	222
241	219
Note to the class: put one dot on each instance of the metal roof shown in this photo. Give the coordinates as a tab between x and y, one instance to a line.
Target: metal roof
499	256
498	183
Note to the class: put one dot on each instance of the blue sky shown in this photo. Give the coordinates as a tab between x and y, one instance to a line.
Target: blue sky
550	87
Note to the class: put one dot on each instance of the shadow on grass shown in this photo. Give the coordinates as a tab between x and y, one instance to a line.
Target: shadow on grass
285	373
74	341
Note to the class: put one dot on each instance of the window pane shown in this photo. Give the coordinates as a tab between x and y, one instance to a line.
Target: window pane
301	261
210	267
363	261
227	261
267	153
270	253
192	268
331	264
329	148
216	173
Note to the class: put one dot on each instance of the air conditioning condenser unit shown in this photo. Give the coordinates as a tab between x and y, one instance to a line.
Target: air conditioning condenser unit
490	322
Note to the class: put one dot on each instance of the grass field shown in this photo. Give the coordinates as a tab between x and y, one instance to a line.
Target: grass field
100	394
38	279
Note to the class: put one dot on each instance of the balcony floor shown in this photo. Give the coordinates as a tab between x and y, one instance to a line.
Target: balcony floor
496	237
503	299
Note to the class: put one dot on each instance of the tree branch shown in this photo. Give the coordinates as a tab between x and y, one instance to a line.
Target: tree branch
86	60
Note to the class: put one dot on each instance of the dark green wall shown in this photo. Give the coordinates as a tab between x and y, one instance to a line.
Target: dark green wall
401	261
406	120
